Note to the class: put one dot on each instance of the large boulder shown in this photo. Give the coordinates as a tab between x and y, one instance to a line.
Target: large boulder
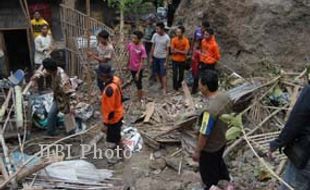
254	32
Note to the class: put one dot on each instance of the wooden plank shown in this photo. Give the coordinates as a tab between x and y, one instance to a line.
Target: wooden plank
150	141
150	108
69	121
88	7
186	123
188	97
6	64
18	107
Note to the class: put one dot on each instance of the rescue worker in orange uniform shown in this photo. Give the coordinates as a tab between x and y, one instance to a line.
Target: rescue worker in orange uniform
111	104
210	51
209	55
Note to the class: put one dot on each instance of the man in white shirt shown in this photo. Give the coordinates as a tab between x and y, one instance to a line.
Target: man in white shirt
43	46
160	53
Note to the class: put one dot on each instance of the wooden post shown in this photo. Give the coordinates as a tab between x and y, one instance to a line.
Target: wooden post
19	107
6	63
30	39
88	7
88	33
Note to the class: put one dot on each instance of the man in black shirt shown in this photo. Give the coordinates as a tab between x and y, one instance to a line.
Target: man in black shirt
297	127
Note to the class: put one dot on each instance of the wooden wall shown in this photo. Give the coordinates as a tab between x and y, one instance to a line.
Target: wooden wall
3	60
12	15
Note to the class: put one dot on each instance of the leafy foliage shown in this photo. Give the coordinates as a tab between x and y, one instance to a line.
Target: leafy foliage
124	4
234	123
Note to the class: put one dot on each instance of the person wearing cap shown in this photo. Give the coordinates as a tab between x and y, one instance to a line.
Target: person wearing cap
63	92
111	104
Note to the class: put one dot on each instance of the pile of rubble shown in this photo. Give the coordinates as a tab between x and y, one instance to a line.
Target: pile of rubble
168	126
261	107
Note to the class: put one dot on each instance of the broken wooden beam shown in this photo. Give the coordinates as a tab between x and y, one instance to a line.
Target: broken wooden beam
70	123
150	141
188	97
150	108
186	123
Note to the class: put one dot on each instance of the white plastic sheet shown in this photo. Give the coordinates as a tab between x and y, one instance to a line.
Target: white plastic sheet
76	170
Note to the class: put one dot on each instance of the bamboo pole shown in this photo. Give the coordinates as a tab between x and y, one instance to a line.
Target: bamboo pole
5	104
3	169
262	161
237	142
13	175
7	158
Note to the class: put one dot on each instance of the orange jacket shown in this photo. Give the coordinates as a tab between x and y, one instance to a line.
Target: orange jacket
111	102
181	45
210	52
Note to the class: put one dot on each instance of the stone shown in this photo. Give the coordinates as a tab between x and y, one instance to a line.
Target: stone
158	164
157	154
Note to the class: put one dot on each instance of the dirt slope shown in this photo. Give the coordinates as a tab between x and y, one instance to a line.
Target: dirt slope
251	32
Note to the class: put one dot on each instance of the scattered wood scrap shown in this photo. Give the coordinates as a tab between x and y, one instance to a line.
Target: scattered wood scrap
188	98
150	108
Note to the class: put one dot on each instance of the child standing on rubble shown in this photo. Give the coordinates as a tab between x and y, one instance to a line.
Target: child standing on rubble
104	55
195	66
137	56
